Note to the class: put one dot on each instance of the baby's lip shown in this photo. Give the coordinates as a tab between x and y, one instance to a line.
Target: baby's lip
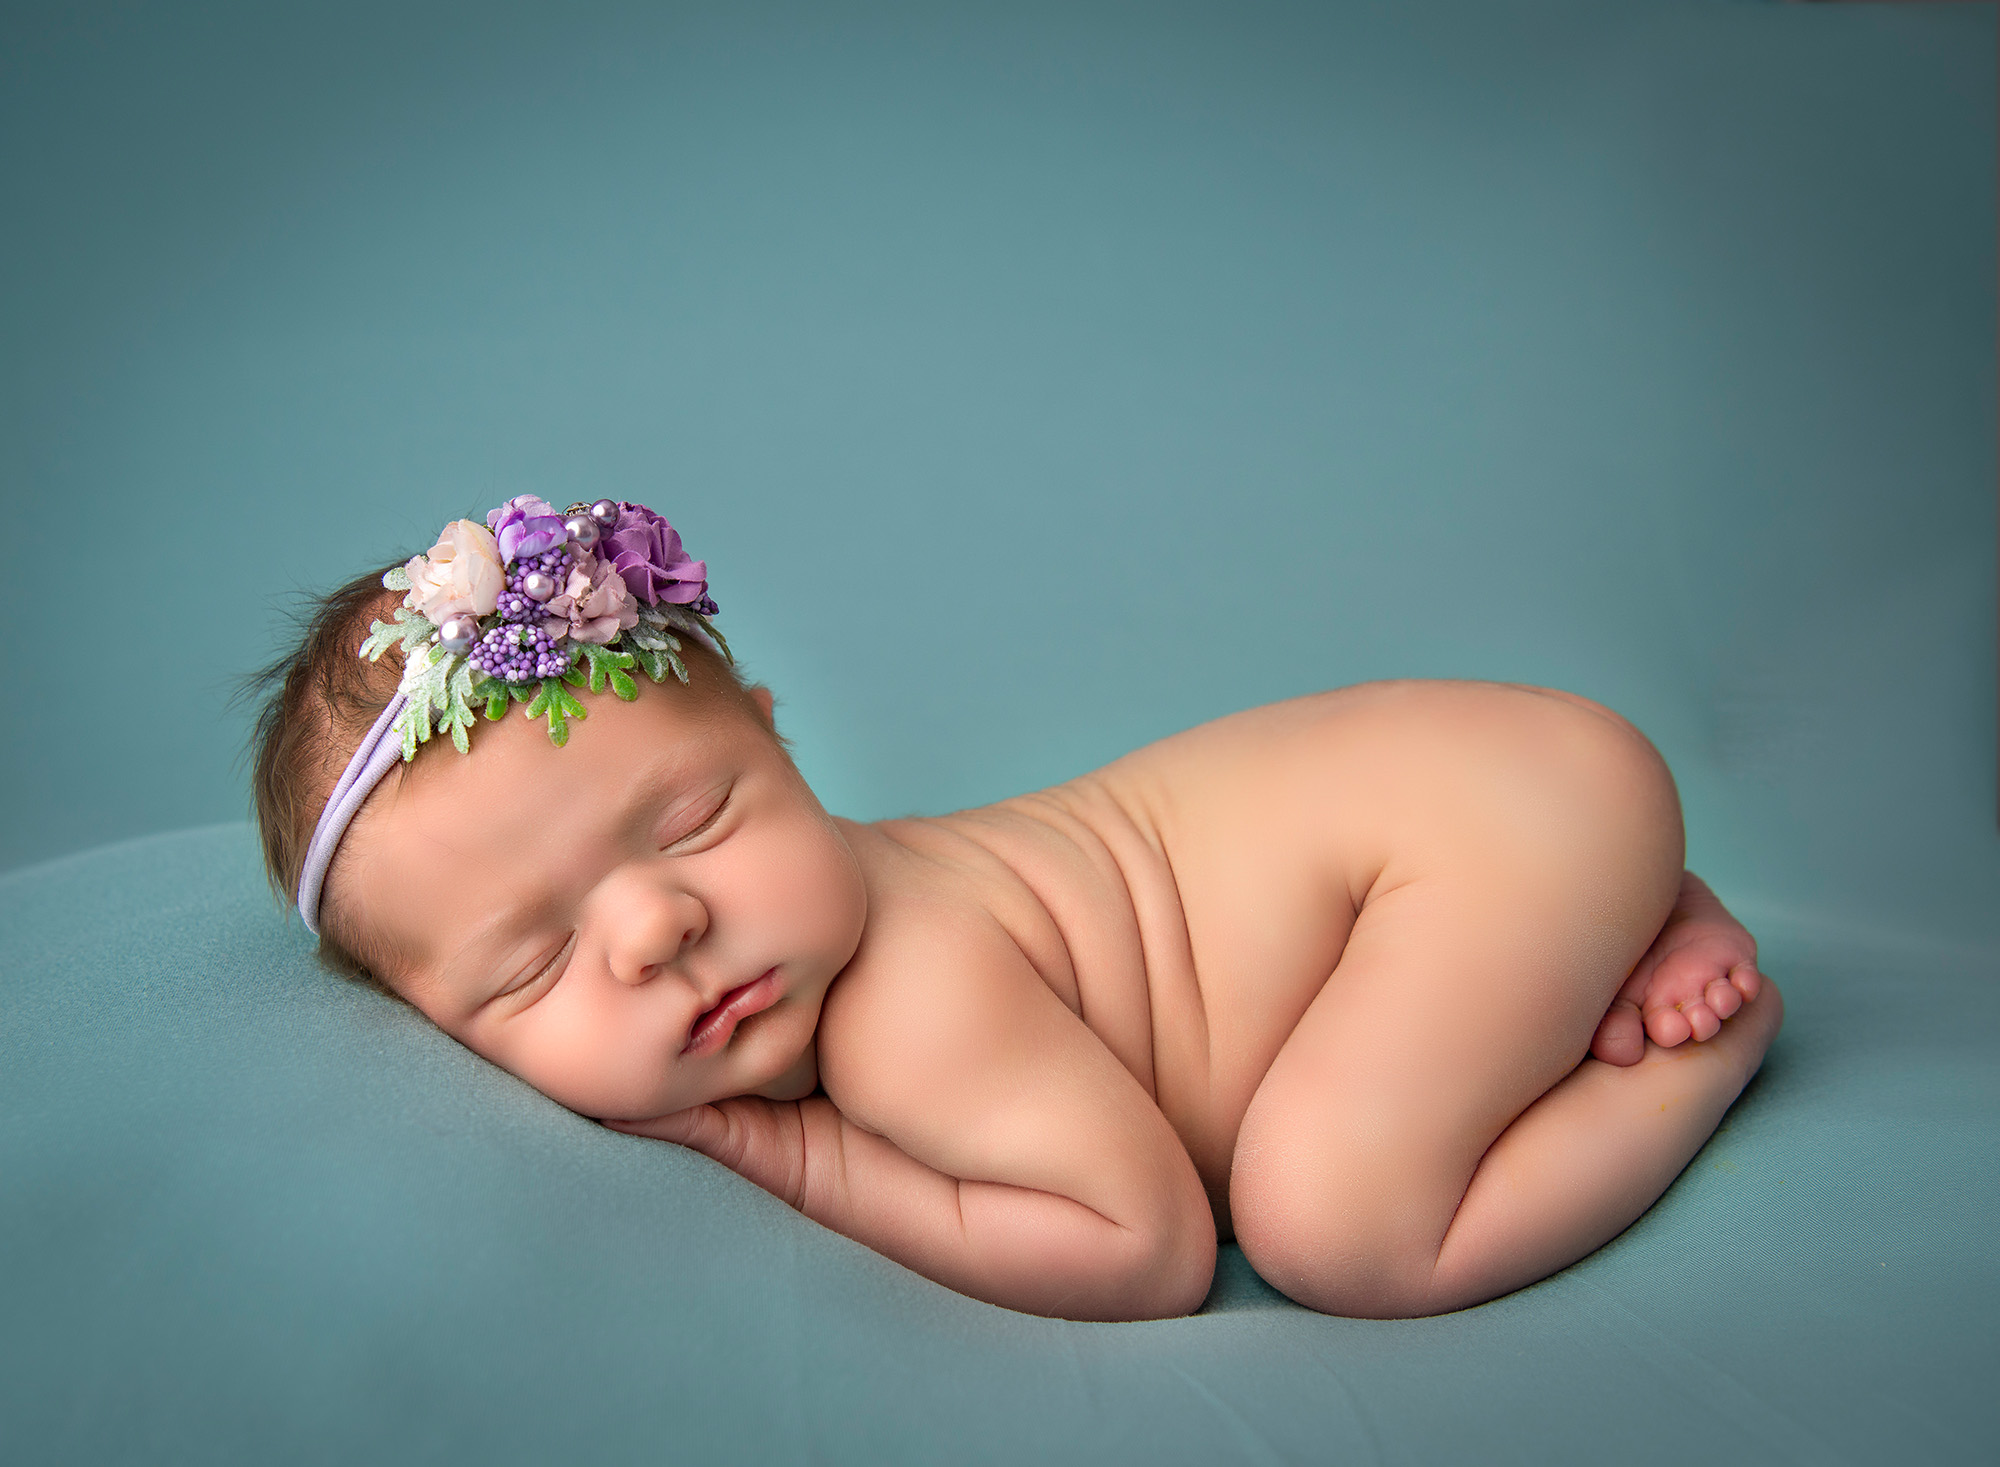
713	1027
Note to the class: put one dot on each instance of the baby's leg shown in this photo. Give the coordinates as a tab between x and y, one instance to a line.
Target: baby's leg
1582	1163
1426	1140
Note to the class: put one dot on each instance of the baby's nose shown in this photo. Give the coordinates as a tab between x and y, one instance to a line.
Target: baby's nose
650	930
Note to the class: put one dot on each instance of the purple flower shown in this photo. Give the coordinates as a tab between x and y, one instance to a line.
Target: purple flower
647	552
526	525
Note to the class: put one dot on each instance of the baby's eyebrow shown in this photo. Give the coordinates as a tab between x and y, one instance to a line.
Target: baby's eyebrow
654	789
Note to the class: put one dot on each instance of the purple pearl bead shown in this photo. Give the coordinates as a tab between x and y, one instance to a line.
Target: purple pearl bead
582	530
537	586
458	634
605	512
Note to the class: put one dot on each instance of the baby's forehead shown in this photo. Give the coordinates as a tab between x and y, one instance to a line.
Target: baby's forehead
514	757
458	842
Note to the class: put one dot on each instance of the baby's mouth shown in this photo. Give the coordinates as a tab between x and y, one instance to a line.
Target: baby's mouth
713	1027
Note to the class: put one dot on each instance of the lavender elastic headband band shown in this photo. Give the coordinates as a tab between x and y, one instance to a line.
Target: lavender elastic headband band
373	758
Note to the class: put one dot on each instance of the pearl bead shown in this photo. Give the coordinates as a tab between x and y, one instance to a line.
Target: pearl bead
458	634
582	530
605	512
538	587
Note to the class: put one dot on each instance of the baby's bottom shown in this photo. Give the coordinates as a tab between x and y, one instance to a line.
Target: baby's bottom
1432	1134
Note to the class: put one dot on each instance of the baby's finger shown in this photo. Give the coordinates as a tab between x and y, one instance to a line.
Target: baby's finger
682	1127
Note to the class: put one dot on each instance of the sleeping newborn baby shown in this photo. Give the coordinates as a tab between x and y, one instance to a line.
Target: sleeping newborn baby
1401	986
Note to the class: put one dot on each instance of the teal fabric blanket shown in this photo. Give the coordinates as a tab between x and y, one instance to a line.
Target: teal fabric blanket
252	1213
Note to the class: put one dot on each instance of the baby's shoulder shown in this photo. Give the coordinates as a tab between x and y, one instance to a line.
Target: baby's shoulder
934	974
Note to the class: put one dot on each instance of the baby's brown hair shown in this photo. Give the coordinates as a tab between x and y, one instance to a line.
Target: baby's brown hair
320	698
318	702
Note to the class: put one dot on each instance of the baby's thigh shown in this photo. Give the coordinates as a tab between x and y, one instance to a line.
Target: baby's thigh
1471	982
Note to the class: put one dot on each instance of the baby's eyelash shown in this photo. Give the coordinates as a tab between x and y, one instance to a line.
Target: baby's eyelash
560	957
713	816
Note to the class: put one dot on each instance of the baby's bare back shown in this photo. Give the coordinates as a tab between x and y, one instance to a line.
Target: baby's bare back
1189	901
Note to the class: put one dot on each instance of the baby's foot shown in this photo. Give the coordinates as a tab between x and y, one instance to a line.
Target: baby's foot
1700	969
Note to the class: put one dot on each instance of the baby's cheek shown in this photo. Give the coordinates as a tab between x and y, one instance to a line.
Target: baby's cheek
800	875
576	1057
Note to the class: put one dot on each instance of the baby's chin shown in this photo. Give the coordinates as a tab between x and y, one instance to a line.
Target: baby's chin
797	1082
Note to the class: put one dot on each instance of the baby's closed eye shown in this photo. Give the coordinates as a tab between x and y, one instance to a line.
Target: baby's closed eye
691	820
541	974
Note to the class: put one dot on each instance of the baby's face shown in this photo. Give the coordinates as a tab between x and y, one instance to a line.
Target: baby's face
642	921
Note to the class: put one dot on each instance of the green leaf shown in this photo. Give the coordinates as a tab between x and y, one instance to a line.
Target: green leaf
623	686
496	704
396	578
416	629
660	664
603	662
457	685
720	640
407	724
379	640
558	705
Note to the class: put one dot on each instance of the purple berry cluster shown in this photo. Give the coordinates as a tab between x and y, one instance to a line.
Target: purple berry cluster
519	653
515	604
516	607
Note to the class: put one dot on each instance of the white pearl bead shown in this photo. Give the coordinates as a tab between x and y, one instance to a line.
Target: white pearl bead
538	587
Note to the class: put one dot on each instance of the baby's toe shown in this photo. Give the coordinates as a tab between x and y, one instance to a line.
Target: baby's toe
1668	1027
1621	1036
1723	998
1702	1021
1746	980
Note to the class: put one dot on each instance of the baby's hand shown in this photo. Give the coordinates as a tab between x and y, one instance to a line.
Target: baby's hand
763	1141
1700	969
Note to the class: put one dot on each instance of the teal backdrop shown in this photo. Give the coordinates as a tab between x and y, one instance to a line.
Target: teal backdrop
1039	380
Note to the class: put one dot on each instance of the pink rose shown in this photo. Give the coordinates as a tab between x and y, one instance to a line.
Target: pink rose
594	605
459	575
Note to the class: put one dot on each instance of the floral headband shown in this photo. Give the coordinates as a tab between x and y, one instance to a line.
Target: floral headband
520	610
513	610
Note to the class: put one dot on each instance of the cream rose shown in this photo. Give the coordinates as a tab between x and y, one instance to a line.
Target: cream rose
460	574
593	606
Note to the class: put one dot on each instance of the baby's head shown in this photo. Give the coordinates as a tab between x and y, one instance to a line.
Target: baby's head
636	908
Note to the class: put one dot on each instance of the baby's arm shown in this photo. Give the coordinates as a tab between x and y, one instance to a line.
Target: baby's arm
1027	1167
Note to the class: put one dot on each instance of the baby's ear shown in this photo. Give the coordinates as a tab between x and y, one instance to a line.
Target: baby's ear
761	696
